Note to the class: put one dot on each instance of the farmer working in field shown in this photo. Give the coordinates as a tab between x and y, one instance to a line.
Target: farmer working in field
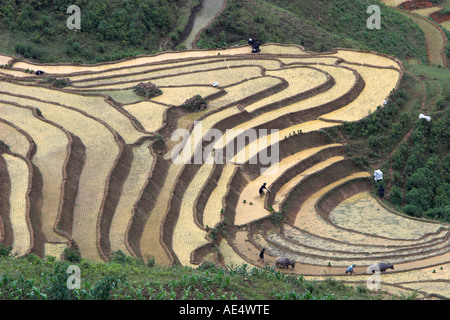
261	190
261	255
255	45
350	269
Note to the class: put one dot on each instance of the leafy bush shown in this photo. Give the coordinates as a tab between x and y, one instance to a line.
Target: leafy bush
440	213
57	287
399	157
151	262
61	83
72	255
396	196
119	257
5	250
375	142
361	161
207	265
413	210
102	289
196	103
147	90
34	259
443	102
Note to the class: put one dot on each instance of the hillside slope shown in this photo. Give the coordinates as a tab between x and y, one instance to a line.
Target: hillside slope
110	30
318	26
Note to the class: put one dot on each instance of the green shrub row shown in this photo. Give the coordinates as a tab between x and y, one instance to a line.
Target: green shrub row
127	278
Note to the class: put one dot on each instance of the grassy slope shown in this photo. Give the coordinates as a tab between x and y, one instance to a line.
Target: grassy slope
110	30
318	26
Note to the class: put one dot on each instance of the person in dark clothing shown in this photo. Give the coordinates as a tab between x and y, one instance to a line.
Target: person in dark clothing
381	191
261	189
39	73
255	46
261	255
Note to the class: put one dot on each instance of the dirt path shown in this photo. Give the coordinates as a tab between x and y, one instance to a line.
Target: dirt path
210	10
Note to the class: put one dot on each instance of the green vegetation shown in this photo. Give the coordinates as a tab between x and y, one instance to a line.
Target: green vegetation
316	25
72	255
129	278
5	250
110	30
413	153
424	162
382	129
118	29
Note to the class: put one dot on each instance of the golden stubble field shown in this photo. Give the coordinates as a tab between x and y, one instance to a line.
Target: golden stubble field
129	180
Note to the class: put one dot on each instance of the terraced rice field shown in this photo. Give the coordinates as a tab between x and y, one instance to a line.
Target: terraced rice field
51	153
392	3
149	114
434	37
92	166
446	25
4	59
225	75
19	174
374	94
70	68
187	235
425	12
132	188
141	74
16	139
365	58
363	213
